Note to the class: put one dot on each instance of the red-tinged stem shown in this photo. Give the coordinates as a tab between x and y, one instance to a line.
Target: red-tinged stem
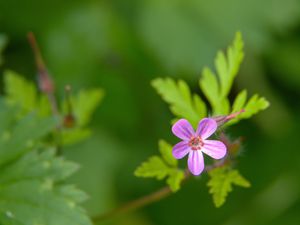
135	204
45	81
46	85
147	199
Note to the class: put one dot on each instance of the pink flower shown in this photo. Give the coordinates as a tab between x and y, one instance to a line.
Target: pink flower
196	143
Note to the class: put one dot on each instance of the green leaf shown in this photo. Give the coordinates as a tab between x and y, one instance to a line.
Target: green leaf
175	178
32	182
182	103
210	87
239	101
74	135
162	167
228	66
154	167
18	140
166	152
253	106
24	93
217	87
84	104
221	181
19	91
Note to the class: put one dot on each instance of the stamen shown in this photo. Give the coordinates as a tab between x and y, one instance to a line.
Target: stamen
196	143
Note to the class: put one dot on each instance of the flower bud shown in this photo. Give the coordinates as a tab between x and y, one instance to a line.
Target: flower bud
224	119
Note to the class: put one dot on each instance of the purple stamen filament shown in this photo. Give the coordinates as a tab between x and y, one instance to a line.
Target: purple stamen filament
196	143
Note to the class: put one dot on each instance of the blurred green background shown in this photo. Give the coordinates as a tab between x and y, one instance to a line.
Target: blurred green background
121	46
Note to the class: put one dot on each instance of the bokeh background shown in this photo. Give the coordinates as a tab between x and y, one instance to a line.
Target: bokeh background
121	46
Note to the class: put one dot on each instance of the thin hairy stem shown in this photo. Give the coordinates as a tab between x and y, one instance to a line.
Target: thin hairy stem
147	199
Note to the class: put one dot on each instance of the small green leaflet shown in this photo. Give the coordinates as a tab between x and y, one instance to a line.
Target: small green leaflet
253	106
165	150
32	187
84	104
153	167
21	92
183	104
163	166
221	181
215	87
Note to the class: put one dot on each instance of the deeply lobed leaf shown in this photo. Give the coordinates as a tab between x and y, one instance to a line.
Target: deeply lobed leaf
182	103
153	167
221	181
163	166
32	189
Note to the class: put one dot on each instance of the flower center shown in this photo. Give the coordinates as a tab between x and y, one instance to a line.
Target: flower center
196	143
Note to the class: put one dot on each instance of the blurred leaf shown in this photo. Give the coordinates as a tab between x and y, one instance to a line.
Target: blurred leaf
31	182
23	93
20	91
84	104
175	178
3	42
182	103
221	181
16	140
166	152
74	135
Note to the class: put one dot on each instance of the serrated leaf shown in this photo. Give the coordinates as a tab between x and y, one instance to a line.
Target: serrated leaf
32	189
154	167
166	152
253	106
239	101
19	91
210	87
21	136
228	66
175	178
221	181
23	93
182	103
217	87
162	167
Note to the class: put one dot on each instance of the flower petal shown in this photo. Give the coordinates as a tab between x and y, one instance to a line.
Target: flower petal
181	149
206	128
196	162
215	149
183	129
